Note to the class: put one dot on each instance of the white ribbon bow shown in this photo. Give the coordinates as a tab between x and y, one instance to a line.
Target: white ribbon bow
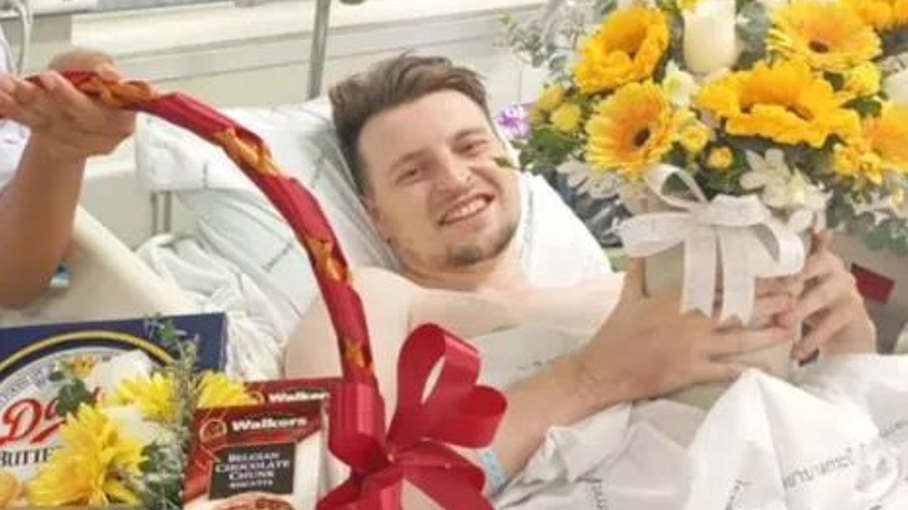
739	232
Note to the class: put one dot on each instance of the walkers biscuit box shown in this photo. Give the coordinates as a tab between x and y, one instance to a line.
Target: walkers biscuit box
29	355
264	456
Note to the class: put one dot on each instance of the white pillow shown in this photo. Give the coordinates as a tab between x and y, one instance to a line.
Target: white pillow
234	219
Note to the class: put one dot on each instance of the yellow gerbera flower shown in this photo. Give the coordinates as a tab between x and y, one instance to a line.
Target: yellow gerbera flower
632	129
829	36
882	147
217	390
785	103
626	48
888	136
154	396
92	467
882	14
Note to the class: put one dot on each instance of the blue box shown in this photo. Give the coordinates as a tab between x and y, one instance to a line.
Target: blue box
30	355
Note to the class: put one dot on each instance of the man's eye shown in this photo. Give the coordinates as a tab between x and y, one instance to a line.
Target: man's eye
475	147
407	176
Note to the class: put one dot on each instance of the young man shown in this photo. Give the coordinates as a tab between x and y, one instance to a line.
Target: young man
418	138
46	136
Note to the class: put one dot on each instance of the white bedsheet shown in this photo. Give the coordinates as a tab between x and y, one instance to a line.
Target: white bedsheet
836	438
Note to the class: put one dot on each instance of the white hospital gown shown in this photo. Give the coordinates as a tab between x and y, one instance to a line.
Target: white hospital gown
12	136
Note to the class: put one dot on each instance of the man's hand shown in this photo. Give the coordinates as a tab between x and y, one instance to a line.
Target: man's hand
647	348
66	125
830	306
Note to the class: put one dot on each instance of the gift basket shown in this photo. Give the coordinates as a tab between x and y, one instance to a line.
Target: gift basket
102	461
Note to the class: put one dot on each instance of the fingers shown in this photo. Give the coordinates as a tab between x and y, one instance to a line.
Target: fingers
22	102
108	72
634	282
768	306
73	103
821	241
824	295
749	340
781	285
826	326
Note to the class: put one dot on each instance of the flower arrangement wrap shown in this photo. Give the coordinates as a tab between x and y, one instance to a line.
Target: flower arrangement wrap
739	119
414	447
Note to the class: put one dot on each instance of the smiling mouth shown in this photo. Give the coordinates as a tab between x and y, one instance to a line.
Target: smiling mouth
466	210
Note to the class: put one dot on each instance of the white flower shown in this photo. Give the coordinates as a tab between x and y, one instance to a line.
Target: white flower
582	178
896	87
710	36
129	420
782	187
108	375
679	86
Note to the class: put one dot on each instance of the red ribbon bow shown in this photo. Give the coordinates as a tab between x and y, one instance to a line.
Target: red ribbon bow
457	411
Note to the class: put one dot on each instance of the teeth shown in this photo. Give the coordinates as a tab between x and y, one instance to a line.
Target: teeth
468	209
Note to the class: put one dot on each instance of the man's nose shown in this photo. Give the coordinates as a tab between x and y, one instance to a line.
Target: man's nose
453	175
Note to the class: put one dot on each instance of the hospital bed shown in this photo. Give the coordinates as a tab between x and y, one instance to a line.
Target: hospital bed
239	256
108	282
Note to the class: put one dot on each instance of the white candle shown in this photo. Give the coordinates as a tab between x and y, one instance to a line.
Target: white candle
710	39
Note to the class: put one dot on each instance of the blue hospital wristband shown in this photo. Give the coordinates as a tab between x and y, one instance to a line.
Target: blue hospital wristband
496	479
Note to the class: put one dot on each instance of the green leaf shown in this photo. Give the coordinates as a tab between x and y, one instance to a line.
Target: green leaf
71	395
754	30
866	106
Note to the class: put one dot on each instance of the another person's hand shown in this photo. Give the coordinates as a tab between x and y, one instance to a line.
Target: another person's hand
830	306
65	123
647	348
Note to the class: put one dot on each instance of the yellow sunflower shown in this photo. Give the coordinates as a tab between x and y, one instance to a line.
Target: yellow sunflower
626	48
882	14
882	147
632	129
888	136
784	102
829	36
154	396
92	467
217	390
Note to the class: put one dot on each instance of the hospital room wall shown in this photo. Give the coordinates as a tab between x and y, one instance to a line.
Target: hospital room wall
237	75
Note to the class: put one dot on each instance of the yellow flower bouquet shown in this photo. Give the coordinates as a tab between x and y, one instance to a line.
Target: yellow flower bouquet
739	125
126	428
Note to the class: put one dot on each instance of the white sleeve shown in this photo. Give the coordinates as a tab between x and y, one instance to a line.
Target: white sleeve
12	136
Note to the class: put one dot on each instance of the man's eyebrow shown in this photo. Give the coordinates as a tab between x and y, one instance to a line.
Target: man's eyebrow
463	133
406	158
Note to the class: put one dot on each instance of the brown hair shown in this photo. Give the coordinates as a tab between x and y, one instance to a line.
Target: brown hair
389	84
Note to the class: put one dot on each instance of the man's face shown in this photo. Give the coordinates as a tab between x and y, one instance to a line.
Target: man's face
435	191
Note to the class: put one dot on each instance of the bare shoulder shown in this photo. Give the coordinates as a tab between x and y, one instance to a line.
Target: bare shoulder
387	299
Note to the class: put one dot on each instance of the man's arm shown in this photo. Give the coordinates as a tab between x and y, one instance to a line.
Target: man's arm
37	208
630	357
